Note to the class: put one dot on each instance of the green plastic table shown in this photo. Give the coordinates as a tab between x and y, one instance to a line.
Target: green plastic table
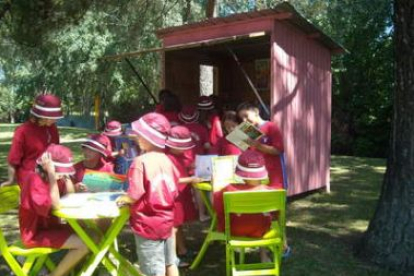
212	234
86	214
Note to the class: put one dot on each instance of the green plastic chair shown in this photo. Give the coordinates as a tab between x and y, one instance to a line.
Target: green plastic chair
255	202
35	258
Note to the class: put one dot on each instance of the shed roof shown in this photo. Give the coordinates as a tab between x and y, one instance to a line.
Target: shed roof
282	11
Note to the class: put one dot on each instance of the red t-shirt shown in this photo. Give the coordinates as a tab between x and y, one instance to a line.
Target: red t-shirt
29	141
152	184
200	135
273	137
215	129
38	228
80	170
184	209
224	147
247	225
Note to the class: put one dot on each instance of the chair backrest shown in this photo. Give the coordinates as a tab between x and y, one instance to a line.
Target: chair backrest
254	202
9	199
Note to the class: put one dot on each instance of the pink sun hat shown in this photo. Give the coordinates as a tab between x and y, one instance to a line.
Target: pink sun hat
99	143
154	127
180	138
61	158
189	114
205	103
47	106
113	128
251	166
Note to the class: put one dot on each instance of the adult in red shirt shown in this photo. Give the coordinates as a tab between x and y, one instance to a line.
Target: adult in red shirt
38	227
210	118
32	138
152	192
223	146
95	151
270	144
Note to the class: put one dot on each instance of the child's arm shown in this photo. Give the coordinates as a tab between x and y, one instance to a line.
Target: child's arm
190	180
267	149
70	188
11	176
51	174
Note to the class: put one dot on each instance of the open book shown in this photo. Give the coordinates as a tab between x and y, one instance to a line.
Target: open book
204	166
243	132
96	181
224	171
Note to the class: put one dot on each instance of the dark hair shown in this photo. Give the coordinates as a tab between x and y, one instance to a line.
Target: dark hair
230	115
172	103
164	93
247	106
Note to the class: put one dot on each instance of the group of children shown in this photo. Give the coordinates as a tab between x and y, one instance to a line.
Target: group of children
159	194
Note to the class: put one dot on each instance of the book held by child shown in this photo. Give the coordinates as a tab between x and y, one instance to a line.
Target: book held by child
242	133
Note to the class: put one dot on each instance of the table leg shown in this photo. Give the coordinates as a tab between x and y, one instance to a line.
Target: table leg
99	251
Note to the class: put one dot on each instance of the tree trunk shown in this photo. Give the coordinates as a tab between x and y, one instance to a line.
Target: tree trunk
211	4
389	240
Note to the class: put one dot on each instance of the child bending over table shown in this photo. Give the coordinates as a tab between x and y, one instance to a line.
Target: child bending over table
189	117
251	168
95	151
152	191
179	141
225	147
38	227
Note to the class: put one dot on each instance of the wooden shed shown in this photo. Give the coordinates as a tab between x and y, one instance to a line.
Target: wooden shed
289	61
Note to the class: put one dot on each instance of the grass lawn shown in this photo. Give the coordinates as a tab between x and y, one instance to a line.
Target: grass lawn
322	228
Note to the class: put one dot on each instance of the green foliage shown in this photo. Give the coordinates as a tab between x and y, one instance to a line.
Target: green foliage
56	45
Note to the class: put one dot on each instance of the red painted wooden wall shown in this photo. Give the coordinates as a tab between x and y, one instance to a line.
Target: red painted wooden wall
301	106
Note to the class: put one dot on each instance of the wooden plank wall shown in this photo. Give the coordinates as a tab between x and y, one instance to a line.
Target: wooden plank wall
301	106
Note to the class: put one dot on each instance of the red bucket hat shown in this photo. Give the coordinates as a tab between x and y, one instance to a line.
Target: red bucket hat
99	143
251	165
180	138
113	128
47	106
61	157
205	103
154	127
189	114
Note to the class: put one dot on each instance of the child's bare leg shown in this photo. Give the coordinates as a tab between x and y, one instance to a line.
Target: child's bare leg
180	241
172	270
77	251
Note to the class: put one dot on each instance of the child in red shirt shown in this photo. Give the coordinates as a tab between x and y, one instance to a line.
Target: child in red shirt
32	138
210	119
178	142
171	106
38	228
95	151
270	144
223	146
189	116
152	192
112	130
251	168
